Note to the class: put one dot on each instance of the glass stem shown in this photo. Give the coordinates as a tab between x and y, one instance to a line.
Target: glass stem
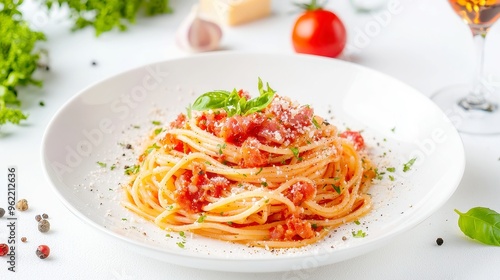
476	100
478	84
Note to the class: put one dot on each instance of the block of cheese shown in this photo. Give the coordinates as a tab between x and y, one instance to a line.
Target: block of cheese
234	12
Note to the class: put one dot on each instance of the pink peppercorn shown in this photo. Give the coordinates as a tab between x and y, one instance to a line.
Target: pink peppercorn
43	251
4	249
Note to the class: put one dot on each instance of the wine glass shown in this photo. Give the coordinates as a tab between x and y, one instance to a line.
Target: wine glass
475	108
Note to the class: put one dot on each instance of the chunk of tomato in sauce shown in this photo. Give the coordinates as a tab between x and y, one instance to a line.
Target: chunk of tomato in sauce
300	192
179	121
293	229
251	156
197	187
172	142
211	122
355	137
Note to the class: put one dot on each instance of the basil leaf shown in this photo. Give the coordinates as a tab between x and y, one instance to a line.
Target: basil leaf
260	86
211	100
233	106
242	104
188	109
232	103
315	123
481	224
259	103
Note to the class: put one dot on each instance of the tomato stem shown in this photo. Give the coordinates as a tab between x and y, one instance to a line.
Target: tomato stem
313	6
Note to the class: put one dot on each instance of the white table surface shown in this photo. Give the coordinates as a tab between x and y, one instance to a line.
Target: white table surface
424	44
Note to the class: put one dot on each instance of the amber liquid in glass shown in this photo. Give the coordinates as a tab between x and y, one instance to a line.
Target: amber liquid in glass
478	14
478	103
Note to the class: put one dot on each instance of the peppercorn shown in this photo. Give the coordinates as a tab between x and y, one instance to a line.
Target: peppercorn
43	226
2	212
4	249
38	218
439	241
24	239
43	251
45	216
22	205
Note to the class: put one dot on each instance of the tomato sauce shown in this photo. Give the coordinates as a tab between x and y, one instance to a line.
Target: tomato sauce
197	186
279	124
294	229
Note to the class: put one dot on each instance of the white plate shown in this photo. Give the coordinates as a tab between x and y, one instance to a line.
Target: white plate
97	123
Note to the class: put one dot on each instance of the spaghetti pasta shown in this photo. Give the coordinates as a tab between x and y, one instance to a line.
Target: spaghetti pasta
261	172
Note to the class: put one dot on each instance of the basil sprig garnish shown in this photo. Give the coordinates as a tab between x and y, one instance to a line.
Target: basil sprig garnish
481	224
232	103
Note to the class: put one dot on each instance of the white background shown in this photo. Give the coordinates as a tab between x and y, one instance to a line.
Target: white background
424	44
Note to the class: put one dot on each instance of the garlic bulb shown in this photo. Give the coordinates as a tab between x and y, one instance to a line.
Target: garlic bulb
198	35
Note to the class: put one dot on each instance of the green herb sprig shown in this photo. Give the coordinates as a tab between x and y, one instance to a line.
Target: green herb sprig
106	15
18	60
232	103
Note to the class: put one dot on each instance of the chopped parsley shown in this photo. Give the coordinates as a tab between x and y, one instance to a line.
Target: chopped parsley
183	242
156	122
221	147
359	234
295	152
158	131
202	218
337	189
391	169
101	164
112	167
132	169
152	148
357	222
407	166
379	175
258	172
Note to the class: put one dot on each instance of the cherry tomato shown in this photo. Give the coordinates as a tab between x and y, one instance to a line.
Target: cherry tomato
355	137
319	32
